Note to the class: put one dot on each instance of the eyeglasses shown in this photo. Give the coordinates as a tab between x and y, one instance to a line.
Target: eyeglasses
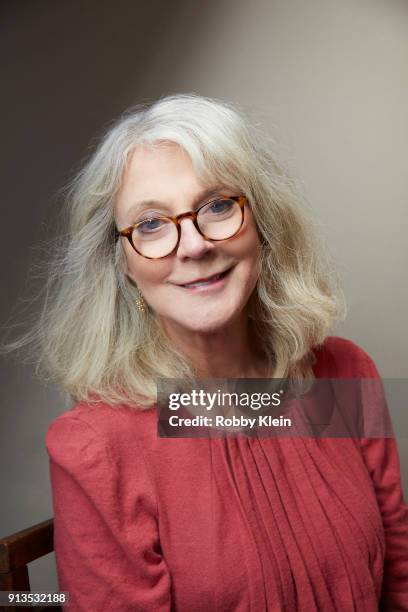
157	237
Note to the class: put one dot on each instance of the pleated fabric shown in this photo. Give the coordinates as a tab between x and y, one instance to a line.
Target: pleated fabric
305	520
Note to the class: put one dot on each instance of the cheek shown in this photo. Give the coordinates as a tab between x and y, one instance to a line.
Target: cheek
146	273
251	258
248	247
248	278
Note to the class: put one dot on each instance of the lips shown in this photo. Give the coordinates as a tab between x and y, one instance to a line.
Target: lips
200	282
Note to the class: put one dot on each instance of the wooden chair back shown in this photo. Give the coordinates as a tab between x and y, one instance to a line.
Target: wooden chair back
16	551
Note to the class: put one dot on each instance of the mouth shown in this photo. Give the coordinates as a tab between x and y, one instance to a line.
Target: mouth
209	281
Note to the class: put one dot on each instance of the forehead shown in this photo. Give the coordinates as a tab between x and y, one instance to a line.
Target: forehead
163	174
158	169
161	157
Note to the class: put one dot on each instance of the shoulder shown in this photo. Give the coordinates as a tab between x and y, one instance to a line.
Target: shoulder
98	468
90	430
341	358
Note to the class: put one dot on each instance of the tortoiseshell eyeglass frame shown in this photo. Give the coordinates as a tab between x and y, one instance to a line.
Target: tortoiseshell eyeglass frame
127	232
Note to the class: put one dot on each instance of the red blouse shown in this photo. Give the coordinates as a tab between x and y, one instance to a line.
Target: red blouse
227	524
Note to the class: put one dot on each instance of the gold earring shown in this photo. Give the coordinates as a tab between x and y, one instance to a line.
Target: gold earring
140	303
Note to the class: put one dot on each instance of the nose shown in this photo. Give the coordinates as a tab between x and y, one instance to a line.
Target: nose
192	244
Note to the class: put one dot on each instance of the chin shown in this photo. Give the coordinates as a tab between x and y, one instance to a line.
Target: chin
207	327
206	322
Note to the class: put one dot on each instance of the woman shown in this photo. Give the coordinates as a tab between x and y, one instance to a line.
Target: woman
188	256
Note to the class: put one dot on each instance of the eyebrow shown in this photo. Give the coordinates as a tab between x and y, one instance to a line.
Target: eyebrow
204	195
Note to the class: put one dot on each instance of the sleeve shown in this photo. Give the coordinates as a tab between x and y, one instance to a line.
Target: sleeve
382	461
105	538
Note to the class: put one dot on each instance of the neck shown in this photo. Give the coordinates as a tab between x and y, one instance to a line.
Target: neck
226	353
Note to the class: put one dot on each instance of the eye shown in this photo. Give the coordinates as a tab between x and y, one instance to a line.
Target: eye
150	225
219	207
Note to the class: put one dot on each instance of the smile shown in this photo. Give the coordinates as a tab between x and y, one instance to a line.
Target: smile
211	282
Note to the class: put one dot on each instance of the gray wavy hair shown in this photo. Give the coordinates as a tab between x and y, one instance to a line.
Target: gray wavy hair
91	339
